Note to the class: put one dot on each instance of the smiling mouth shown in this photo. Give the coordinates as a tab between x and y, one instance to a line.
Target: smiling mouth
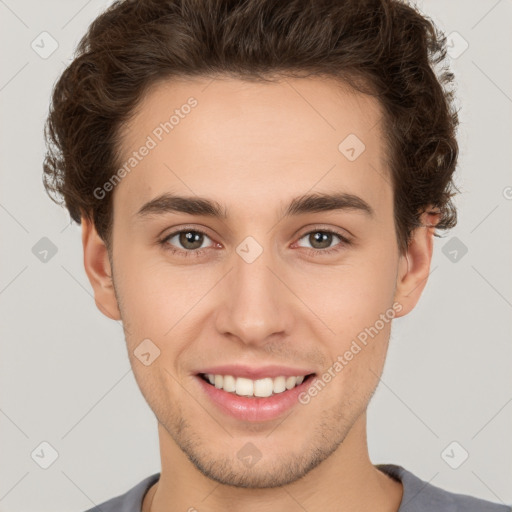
265	387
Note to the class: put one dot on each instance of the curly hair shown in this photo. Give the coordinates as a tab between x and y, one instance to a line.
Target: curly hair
384	48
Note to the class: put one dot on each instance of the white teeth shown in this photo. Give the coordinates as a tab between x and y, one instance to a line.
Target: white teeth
244	387
279	384
260	387
290	382
229	383
263	387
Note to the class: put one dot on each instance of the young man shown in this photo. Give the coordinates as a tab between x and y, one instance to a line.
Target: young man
259	183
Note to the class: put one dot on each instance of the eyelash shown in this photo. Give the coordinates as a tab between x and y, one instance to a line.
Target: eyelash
198	252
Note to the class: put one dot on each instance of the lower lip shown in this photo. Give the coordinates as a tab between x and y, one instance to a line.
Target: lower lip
254	408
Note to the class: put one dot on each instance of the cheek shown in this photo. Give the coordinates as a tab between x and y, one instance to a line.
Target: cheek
357	305
353	297
156	296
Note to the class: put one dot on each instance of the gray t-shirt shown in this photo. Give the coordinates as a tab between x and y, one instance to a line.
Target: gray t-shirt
418	496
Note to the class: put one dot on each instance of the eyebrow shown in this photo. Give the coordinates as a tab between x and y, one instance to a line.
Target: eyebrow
309	203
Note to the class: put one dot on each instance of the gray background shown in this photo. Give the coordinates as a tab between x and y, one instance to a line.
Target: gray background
65	375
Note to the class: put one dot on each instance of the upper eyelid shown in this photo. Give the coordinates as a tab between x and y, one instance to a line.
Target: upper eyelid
345	236
316	228
172	234
185	229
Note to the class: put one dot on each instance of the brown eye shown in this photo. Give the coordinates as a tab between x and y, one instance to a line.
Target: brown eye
187	240
323	242
190	239
320	239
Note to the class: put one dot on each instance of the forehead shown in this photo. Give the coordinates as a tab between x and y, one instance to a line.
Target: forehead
239	141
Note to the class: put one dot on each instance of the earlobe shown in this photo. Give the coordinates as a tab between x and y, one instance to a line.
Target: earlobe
414	265
98	270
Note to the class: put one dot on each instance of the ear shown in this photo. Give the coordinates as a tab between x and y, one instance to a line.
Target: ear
97	268
414	265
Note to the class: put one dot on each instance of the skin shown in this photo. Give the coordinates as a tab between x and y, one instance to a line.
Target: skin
244	142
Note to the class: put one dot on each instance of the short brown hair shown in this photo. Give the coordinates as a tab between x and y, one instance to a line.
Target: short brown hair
385	48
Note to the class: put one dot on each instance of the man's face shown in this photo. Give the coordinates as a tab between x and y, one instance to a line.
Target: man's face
259	288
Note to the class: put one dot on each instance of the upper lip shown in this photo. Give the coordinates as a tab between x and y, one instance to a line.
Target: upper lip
255	373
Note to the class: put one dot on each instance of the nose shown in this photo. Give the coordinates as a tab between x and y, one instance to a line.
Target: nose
254	303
